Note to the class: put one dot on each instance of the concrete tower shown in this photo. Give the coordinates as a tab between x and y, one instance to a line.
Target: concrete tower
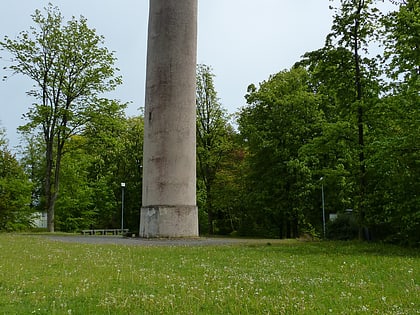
169	163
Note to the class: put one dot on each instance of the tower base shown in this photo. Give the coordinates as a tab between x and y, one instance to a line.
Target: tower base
168	221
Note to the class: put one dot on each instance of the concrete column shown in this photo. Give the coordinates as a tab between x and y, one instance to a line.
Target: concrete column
169	163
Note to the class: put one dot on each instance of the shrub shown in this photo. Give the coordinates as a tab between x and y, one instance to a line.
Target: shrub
344	227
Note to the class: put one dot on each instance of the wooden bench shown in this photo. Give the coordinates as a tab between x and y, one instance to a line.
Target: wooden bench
104	232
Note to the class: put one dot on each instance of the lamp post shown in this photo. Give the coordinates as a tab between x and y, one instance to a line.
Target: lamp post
323	204
122	208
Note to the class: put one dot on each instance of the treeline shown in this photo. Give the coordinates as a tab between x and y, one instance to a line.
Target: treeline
343	121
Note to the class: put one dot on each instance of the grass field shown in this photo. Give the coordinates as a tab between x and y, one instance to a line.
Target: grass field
42	276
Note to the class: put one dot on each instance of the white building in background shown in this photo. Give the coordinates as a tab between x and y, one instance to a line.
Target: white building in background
39	220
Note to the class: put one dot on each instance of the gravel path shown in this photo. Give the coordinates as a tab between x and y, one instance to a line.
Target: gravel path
118	240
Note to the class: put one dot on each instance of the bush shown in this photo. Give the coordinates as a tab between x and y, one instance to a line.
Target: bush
344	227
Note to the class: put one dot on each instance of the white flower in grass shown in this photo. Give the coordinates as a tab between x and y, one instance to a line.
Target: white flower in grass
365	308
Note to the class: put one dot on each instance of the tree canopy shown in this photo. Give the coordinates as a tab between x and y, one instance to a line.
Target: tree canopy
70	68
15	190
347	112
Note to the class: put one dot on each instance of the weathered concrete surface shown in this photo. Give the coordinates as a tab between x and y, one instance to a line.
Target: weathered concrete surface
169	160
166	221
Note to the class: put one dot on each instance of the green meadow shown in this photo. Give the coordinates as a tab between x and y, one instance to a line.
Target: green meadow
43	276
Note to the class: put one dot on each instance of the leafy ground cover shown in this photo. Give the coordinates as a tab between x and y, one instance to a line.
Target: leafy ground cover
43	276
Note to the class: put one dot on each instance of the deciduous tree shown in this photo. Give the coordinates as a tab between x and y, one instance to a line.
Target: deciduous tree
15	191
70	67
214	140
282	115
349	78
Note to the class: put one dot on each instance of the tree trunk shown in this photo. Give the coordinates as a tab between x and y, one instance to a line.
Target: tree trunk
210	214
360	119
50	202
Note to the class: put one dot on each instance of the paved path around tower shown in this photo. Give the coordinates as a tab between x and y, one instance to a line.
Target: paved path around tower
118	240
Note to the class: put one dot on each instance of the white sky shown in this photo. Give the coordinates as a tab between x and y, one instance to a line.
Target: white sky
244	41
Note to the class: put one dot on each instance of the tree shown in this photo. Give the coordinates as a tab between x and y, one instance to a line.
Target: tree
114	146
32	159
282	115
402	48
229	187
213	138
393	166
393	169
353	29
349	78
131	170
108	152
15	191
74	206
70	68
103	144
373	168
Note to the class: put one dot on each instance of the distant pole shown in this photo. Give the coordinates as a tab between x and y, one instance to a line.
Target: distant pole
323	203
122	208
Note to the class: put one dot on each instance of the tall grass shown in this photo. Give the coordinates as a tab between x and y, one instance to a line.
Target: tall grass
41	276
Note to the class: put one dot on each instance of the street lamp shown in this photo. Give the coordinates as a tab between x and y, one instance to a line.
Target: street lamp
323	203
122	208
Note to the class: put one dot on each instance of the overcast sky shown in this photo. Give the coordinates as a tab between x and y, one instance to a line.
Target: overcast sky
244	41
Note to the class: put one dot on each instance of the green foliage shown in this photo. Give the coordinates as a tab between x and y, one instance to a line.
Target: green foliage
340	113
70	68
74	206
130	164
363	138
349	78
402	38
15	191
227	191
103	144
343	228
214	145
394	168
282	116
108	153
